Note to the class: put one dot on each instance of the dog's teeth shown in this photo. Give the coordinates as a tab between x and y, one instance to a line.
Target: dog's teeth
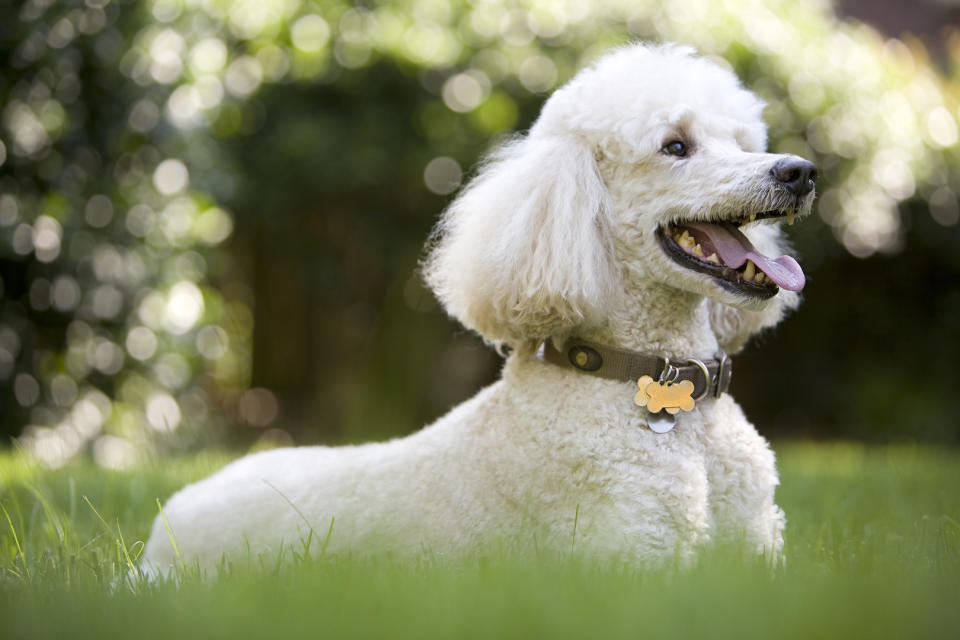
790	215
698	251
713	258
753	217
749	271
760	277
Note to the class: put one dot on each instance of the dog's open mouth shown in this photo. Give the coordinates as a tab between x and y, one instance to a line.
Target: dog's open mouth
719	249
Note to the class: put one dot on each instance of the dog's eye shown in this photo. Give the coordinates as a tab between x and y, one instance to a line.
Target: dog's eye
675	148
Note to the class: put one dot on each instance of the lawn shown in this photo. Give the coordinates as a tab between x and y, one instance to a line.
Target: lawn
873	548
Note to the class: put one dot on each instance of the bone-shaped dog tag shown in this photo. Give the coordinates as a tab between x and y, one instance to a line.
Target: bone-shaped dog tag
663	401
657	396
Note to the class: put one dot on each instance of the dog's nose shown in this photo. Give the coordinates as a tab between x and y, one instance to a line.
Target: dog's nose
796	174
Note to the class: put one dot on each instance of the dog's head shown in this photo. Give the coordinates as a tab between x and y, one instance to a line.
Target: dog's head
649	166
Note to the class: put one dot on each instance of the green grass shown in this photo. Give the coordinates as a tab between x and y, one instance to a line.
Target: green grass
873	548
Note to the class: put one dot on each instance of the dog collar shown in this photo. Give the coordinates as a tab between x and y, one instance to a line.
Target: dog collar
664	387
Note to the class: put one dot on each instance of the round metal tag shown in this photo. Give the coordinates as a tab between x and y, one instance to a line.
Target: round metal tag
661	422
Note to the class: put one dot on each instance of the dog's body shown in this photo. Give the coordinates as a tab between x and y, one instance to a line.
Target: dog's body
556	237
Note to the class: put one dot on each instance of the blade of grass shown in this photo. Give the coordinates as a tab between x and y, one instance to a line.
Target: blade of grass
326	540
173	539
52	513
124	556
292	505
16	541
576	520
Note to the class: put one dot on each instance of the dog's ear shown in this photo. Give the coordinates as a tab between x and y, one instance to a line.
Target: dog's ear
734	326
524	252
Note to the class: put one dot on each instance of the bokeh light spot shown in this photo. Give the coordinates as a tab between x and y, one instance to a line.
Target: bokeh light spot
29	134
172	370
806	91
259	407
209	92
274	61
538	74
63	390
212	342
144	115
9	210
163	412
141	343
310	33
184	307
243	76
22	240
485	19
61	33
166	10
942	127
89	413
104	355
184	107
65	294
171	177
943	207
166	50
515	29
140	220
273	439
99	211
466	91
893	174
26	389
46	238
213	226
151	309
107	301
208	56
442	175
547	21
115	453
497	114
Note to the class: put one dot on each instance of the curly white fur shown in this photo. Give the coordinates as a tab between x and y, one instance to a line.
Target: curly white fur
553	237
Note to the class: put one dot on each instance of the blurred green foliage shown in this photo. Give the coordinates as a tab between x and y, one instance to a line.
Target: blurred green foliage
198	197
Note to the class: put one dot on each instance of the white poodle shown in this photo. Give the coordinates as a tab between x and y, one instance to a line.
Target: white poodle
639	218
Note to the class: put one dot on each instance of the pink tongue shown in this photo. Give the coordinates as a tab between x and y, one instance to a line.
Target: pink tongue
734	249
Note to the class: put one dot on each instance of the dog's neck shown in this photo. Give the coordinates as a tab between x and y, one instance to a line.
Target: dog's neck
654	318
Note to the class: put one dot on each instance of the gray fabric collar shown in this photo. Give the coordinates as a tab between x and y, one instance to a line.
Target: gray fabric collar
709	377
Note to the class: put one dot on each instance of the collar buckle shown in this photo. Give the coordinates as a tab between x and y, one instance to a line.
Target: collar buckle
720	381
706	378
